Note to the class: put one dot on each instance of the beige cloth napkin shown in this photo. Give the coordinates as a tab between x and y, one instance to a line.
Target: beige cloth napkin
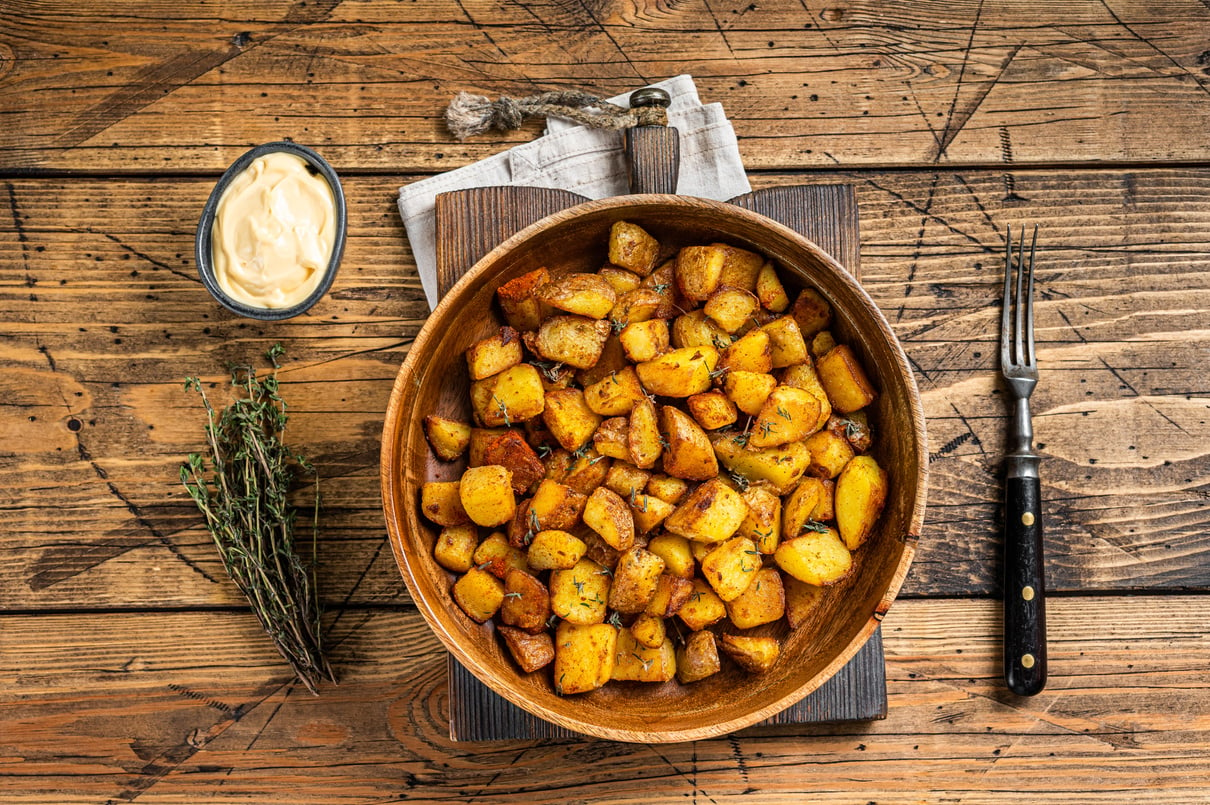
585	161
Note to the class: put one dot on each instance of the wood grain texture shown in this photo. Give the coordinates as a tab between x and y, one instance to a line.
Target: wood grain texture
169	86
195	706
102	317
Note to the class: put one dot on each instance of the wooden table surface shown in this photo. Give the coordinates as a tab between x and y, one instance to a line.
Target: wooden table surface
131	669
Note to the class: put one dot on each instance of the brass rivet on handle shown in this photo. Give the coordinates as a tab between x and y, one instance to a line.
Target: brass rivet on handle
1027	593
1027	518
1027	661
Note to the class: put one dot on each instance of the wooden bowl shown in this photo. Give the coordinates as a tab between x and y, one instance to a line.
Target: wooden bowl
434	379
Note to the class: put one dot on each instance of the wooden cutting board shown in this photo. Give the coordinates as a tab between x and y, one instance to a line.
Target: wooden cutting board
470	223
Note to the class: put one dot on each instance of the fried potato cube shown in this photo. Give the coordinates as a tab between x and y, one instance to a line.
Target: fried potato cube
712	409
786	344
479	594
812	312
496	556
762	523
696	329
788	415
663	282
646	444
632	248
671	593
829	454
740	267
487	495
731	567
557	463
611	438
763	602
607	514
674	550
781	466
555	550
754	654
703	607
711	513
583	294
611	360
803	376
634	307
844	380
479	441
441	502
448	438
578	595
587	471
574	340
816	557
700	549
521	308
556	505
516	395
821	344
751	353
698	658
584	656
801	600
649	630
530	651
493	355
667	488
616	394
644	340
569	418
699	269
649	512
804	505
526	603
680	372
855	428
511	451
626	479
620	279
861	492
455	547
769	290
749	390
731	308
634	580
638	663
689	454
599	550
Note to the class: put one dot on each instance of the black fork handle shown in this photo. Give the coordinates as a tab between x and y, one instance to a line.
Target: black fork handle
1024	587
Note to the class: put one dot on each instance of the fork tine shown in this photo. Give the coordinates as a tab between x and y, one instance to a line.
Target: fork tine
1006	304
1029	295
1019	306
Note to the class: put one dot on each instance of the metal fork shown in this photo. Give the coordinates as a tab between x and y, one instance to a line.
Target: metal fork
1024	582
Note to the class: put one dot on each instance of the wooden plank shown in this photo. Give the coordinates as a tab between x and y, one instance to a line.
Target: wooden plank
160	86
1121	331
189	706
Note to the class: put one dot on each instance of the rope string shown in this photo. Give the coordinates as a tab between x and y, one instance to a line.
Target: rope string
469	114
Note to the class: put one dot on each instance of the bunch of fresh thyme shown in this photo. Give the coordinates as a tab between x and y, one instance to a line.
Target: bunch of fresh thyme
243	496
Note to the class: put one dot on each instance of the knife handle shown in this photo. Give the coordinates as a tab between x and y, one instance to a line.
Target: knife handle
1024	588
653	153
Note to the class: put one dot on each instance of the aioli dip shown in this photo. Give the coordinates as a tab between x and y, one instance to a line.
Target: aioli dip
273	234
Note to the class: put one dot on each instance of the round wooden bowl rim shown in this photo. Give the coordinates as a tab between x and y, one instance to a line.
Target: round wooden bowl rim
396	511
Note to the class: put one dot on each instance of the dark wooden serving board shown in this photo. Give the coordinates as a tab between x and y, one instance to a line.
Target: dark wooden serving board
470	223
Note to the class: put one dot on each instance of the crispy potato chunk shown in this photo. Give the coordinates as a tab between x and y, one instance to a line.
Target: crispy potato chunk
511	451
855	428
636	662
674	550
496	556
649	630
754	654
803	376
804	505
612	359
611	438
530	651
711	513
448	438
626	479
812	312
731	567
556	505
634	307
632	248
616	394
749	390
555	550
712	410
763	602
578	595
679	372
493	355
769	290
583	294
671	593
788	415
696	329
587	471
689	454
786	344
634	580
740	267
574	340
699	269
584	656
844	380
731	308
762	524
479	594
801	600
487	495
781	466
516	396
703	607
526	603
455	547
821	344
697	659
649	512
644	340
480	439
751	353
441	502
644	438
817	557
829	454
861	492
569	418
521	308
608	515
620	279
667	488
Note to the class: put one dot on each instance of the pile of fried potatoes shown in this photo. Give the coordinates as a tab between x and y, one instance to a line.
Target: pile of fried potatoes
659	451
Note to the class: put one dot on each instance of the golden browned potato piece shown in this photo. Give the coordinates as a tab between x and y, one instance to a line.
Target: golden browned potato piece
754	654
769	290
763	602
829	454
578	595
632	248
667	488
441	502
649	511
671	593
649	630
608	515
612	359
711	513
731	567
611	438
479	594
634	307
479	441
493	355
511	451
587	471
516	396
634	580
816	557
781	466
679	372
574	340
699	269
762	524
703	607
689	454
861	492
530	651
455	547
821	344
804	505
555	550
712	409
801	600
449	438
786	344
620	279
569	418
751	353
788	415
521	308
583	294
557	505
803	376
854	428
674	550
487	495
844	380
749	390
638	663
526	603
696	329
697	659
812	312
644	340
730	308
646	444
584	656
626	479
616	394
740	267
496	556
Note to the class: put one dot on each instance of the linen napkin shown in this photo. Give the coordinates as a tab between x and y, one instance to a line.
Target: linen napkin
585	161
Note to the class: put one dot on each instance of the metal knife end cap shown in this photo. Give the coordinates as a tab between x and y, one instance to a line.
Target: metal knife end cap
650	96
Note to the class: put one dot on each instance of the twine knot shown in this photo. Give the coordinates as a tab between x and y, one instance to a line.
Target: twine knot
469	114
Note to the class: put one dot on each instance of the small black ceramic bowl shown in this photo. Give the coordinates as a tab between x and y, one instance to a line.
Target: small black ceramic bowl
205	227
